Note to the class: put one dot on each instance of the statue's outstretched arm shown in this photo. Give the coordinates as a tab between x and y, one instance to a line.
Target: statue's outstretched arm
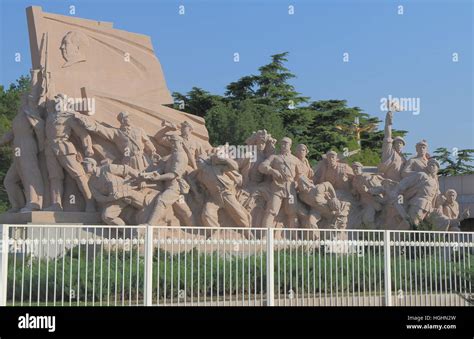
85	138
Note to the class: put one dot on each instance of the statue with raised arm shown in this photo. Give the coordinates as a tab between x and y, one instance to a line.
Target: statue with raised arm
23	181
112	188
133	144
61	154
170	171
393	159
419	162
285	169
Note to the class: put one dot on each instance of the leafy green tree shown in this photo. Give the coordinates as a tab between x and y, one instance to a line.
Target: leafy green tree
455	163
197	101
219	123
273	86
228	123
324	135
242	89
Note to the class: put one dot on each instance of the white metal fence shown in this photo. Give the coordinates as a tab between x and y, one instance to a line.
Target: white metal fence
73	265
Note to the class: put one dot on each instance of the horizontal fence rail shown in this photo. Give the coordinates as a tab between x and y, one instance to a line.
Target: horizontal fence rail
73	265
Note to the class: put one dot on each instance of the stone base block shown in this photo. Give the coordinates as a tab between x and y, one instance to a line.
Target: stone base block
48	218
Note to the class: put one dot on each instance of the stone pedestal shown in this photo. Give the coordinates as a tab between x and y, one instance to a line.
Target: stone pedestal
50	218
43	230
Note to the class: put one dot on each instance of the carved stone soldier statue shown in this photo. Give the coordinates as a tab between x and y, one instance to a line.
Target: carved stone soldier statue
326	210
393	159
192	148
251	176
317	198
366	188
285	169
61	153
340	210
215	175
419	162
170	171
110	188
447	217
339	174
301	153
254	193
132	142
27	138
420	191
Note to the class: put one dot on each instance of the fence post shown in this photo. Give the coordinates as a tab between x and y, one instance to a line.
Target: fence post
148	265
3	264
270	267
387	269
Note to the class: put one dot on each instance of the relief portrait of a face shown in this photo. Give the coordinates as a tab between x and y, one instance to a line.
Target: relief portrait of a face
73	48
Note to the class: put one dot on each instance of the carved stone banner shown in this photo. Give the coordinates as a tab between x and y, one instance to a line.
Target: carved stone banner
119	69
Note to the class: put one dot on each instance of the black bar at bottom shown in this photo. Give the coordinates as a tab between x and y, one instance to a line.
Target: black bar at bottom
267	321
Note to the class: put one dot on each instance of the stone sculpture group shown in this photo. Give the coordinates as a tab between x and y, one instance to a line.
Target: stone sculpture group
195	185
171	176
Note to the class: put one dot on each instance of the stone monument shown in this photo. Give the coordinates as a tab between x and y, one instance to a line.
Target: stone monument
94	142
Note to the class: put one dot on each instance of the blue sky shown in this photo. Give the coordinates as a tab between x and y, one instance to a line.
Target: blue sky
407	55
